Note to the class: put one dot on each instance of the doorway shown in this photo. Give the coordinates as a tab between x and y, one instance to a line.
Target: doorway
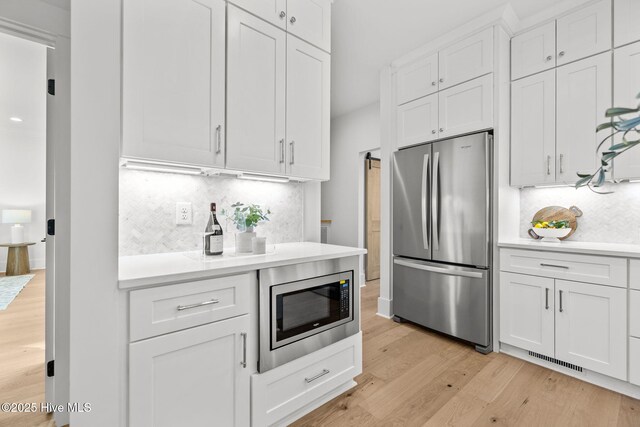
372	215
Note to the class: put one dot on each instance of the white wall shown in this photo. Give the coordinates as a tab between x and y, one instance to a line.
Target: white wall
23	144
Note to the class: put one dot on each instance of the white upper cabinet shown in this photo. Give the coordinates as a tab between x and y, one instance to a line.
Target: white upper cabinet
273	11
417	121
256	94
591	327
584	32
417	79
466	107
533	51
533	129
173	97
311	21
466	60
527	312
626	28
626	85
308	110
583	96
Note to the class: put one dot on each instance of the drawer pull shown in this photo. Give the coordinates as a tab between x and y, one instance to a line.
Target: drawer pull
561	308
554	265
546	299
200	304
315	377
244	350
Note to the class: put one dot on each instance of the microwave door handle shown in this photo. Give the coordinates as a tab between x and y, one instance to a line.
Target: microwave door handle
435	205
440	270
425	177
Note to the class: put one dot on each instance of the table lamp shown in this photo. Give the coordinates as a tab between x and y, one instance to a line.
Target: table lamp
17	217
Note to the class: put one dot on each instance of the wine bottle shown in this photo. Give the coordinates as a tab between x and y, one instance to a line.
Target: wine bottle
213	234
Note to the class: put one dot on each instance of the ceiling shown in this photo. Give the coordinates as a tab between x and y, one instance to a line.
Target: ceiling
369	34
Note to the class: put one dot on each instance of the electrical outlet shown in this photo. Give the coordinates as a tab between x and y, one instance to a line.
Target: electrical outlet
184	213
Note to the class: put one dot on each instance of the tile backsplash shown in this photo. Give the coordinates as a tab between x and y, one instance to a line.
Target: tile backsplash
148	210
608	218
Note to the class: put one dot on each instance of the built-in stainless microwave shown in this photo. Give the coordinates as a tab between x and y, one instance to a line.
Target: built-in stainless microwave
306	307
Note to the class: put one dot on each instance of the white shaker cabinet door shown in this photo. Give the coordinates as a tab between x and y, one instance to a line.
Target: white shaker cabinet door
311	21
308	110
417	79
173	97
256	94
583	96
591	327
533	51
533	129
467	107
417	121
625	21
195	377
626	85
466	59
584	32
273	11
527	312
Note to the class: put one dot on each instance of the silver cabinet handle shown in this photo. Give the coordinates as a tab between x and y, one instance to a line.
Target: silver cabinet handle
561	159
561	54
546	299
293	152
554	265
218	139
435	201
425	178
548	58
434	131
282	151
244	350
315	377
441	80
548	165
433	83
441	129
561	309
282	14
200	304
292	20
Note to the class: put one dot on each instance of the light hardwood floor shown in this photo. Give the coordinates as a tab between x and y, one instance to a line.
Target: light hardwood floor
22	354
412	377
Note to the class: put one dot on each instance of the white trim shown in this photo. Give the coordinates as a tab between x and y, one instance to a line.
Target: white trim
552	13
27	32
384	308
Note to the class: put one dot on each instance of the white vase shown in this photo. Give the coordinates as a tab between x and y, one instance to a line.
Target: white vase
243	241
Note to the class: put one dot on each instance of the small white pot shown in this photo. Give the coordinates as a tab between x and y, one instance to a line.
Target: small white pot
243	242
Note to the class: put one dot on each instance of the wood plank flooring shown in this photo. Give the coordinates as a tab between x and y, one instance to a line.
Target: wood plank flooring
22	354
412	377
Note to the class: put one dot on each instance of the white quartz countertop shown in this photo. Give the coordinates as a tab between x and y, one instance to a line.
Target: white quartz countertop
589	248
156	269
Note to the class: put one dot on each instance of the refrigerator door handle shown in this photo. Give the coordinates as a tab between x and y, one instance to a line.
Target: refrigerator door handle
435	201
440	270
425	171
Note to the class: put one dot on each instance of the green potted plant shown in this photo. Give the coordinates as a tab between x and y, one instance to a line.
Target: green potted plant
246	218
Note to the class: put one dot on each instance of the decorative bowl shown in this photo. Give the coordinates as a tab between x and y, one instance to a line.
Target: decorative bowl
551	235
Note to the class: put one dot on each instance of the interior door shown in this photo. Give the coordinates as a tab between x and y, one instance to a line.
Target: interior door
584	32
412	202
308	110
583	96
256	94
311	21
533	129
460	210
626	85
174	97
527	312
591	327
372	212
273	11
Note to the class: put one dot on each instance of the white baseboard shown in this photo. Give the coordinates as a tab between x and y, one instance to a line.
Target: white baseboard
384	308
34	263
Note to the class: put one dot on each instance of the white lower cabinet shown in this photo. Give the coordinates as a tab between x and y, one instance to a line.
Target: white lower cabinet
634	361
591	327
191	378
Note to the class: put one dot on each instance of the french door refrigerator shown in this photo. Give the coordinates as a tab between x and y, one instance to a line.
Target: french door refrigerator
442	237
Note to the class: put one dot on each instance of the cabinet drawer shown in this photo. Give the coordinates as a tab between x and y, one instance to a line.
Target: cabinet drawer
282	391
634	313
584	268
160	310
634	361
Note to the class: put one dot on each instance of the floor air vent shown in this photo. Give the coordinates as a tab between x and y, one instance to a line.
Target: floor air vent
556	361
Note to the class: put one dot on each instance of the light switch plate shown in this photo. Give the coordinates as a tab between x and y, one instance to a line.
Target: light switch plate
184	213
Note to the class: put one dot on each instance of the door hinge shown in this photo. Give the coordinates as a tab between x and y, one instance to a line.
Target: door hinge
51	227
51	86
50	368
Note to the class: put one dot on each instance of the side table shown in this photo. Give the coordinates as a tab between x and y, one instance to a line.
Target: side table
17	258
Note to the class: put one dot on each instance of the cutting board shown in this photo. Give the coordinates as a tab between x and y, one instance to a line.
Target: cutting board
558	213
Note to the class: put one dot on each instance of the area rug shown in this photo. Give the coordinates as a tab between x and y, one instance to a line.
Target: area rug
10	287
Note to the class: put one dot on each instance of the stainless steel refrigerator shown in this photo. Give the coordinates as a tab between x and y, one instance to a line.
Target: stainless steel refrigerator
442	237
